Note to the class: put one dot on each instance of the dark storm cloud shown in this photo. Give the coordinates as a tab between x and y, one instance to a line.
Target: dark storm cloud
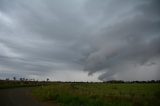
111	37
133	40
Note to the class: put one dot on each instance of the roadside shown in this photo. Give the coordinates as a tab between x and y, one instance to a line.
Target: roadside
20	97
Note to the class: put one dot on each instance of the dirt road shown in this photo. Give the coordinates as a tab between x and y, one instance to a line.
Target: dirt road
19	97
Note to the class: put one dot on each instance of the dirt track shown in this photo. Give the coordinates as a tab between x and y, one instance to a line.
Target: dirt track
19	97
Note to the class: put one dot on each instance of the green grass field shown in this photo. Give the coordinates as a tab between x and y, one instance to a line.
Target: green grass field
14	84
100	94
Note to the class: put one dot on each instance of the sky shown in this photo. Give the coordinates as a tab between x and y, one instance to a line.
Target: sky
80	40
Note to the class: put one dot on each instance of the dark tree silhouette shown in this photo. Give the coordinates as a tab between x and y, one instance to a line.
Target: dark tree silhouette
47	79
14	78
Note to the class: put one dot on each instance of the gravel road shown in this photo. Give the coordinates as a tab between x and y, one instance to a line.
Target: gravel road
19	97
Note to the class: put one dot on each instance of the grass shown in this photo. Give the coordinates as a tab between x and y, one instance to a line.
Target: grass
100	94
14	84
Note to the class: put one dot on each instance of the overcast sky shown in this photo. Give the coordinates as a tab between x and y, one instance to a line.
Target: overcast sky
80	40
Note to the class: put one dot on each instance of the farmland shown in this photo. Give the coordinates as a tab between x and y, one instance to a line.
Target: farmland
4	84
100	94
90	94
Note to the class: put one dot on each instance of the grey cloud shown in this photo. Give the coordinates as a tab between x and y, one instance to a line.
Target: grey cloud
48	19
134	40
97	36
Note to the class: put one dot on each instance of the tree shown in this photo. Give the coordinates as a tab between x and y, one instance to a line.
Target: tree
47	79
14	78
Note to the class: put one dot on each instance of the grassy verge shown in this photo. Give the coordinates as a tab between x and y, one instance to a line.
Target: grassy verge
71	94
14	84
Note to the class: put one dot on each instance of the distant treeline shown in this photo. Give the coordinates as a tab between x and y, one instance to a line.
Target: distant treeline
121	81
27	81
111	81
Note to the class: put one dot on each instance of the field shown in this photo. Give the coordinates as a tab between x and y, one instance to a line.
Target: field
14	84
100	94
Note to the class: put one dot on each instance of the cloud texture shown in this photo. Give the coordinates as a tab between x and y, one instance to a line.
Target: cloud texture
108	39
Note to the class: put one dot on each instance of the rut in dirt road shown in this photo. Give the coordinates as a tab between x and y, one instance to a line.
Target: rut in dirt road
19	97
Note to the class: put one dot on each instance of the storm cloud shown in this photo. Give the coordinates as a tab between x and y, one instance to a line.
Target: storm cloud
107	39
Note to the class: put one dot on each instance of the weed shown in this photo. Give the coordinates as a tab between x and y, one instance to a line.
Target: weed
87	94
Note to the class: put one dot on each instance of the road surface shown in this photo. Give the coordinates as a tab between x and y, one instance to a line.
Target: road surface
19	97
